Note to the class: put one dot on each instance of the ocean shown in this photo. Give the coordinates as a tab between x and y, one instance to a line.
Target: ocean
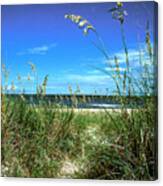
82	101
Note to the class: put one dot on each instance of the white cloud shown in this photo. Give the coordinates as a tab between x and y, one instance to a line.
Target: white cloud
10	87
93	72
134	58
96	79
133	55
109	69
40	50
94	61
25	78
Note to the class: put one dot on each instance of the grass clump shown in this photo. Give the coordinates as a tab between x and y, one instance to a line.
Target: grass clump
37	141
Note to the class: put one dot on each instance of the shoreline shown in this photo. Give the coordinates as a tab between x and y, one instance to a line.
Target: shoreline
94	110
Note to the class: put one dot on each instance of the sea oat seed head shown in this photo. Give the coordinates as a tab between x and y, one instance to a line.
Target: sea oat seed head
82	23
119	4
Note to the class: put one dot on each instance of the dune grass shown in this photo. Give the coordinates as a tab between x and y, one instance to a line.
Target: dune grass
38	142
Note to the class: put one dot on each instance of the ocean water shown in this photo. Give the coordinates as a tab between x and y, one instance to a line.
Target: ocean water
90	101
103	105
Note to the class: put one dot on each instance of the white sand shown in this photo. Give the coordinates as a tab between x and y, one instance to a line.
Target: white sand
99	110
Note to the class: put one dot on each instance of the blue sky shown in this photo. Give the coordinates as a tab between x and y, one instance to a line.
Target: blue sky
40	34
